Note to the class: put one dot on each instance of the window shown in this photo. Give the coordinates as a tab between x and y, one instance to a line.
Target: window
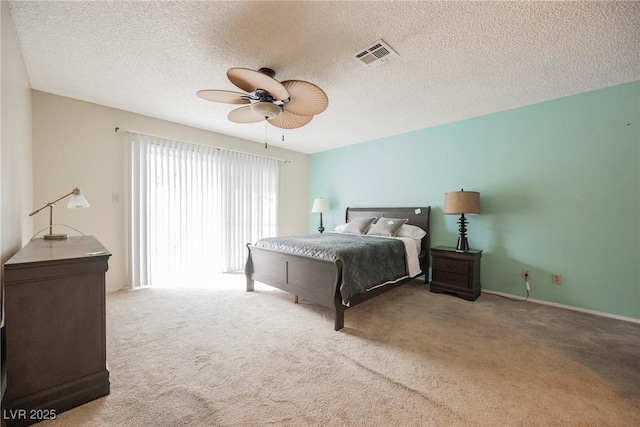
194	208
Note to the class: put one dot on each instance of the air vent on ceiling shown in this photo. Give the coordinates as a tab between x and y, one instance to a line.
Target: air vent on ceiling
376	54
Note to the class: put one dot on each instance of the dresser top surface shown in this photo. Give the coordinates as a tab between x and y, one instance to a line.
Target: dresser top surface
40	250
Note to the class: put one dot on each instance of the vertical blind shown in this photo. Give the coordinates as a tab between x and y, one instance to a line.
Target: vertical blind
194	208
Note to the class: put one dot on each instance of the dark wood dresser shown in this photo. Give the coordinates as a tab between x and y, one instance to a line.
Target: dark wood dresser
55	328
456	272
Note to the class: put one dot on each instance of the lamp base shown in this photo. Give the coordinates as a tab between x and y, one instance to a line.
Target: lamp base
56	236
463	244
321	228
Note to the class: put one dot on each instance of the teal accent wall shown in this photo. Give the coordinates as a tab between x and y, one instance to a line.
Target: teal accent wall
559	187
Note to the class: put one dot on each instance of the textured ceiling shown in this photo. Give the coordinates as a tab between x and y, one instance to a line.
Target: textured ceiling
456	59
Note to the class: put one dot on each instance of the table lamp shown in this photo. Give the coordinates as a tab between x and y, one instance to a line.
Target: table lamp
460	203
320	205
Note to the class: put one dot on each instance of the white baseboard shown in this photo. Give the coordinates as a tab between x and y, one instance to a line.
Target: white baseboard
567	307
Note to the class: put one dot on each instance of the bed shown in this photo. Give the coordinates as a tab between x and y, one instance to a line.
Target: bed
323	281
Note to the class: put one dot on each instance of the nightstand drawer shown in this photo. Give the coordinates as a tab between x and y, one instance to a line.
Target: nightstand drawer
454	279
454	266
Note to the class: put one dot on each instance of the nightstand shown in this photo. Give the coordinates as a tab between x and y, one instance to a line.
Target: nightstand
456	272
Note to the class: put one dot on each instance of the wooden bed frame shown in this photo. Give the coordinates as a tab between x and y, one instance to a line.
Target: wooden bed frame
319	280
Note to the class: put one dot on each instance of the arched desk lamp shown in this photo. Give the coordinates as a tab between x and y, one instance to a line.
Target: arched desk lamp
77	201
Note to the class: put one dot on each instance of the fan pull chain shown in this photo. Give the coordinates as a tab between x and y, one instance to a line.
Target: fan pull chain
265	132
283	135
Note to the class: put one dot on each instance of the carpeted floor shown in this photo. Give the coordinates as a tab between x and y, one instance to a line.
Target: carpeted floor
225	357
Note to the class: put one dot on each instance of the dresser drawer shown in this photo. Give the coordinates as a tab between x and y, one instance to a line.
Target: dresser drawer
459	280
454	266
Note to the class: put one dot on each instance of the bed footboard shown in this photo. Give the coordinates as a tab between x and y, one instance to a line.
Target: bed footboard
313	279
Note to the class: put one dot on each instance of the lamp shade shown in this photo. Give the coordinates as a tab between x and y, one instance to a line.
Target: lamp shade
266	109
462	202
77	200
320	205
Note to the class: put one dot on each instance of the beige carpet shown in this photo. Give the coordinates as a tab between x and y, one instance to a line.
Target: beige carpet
407	358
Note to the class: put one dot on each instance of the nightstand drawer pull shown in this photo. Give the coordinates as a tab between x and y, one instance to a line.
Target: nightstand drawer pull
460	267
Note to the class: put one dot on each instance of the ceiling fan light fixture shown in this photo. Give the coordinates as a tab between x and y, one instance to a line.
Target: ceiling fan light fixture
287	105
265	109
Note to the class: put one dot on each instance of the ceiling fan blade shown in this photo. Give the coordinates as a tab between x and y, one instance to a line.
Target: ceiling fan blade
244	115
286	120
250	80
307	99
224	96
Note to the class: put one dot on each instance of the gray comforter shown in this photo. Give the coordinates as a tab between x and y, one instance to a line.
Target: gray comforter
367	261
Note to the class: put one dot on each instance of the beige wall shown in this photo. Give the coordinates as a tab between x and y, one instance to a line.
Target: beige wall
75	145
15	143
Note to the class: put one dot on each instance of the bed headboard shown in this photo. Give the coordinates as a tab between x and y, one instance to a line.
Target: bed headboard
418	216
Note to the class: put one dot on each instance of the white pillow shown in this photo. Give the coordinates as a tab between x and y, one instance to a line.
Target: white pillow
340	228
411	231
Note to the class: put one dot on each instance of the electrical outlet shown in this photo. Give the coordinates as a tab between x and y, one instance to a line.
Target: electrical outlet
526	272
556	279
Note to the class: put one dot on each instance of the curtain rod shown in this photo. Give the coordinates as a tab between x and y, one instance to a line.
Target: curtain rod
117	129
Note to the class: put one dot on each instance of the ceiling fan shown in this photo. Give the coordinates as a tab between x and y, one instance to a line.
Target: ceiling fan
288	105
